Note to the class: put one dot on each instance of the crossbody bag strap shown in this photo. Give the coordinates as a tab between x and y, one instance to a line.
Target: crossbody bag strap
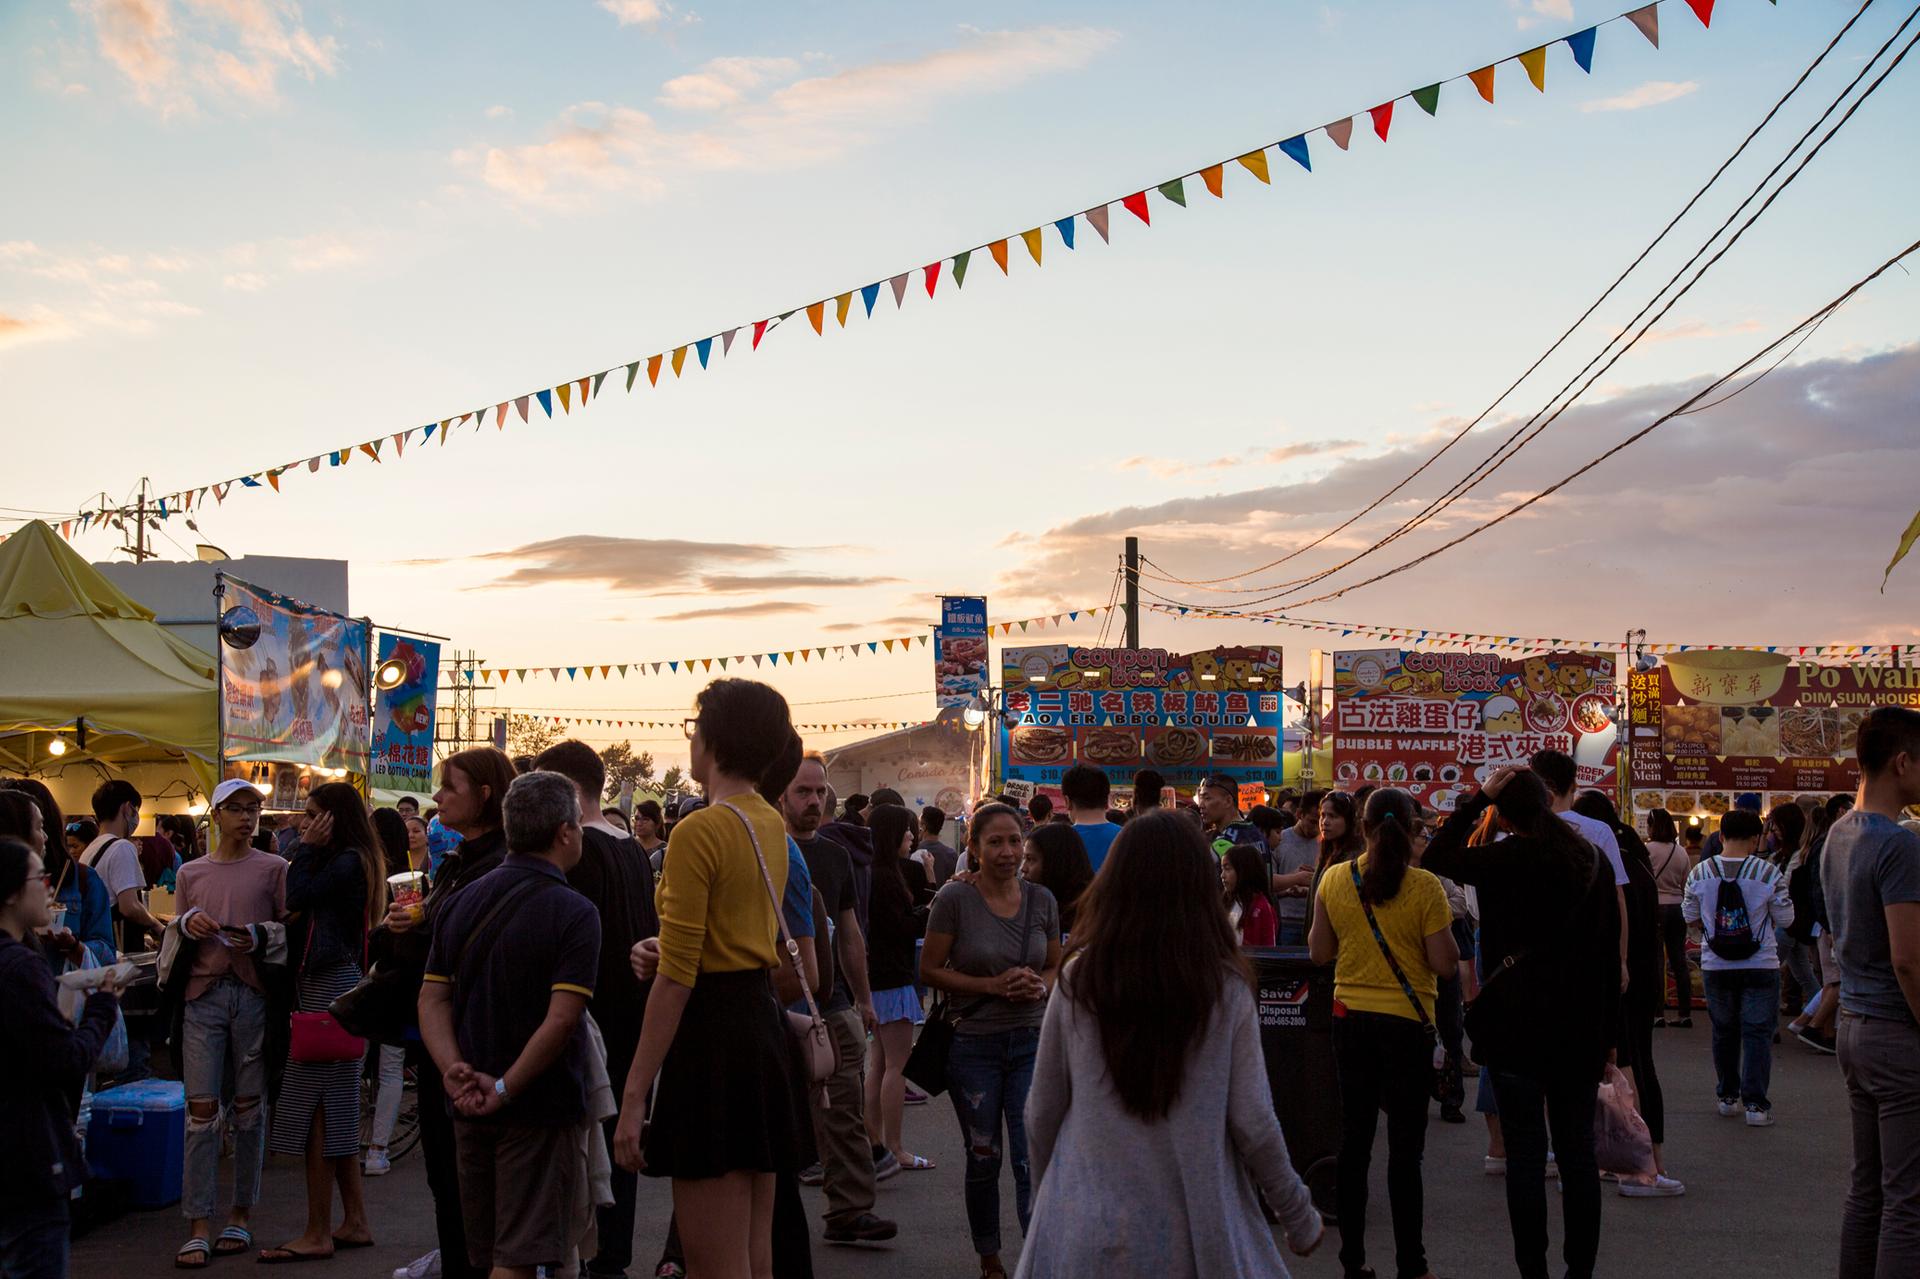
779	916
480	931
1386	952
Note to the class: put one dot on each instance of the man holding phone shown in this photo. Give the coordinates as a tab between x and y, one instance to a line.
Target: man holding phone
223	898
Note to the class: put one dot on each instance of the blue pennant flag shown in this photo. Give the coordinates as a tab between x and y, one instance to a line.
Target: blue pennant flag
250	482
428	430
1297	148
868	294
675	666
701	348
1581	42
546	401
1065	227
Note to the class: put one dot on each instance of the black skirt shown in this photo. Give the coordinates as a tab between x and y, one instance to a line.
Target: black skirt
725	1098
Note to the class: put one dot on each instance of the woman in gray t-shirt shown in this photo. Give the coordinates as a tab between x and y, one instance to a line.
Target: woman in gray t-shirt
993	946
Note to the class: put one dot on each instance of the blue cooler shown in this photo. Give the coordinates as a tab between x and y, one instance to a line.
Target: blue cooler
139	1135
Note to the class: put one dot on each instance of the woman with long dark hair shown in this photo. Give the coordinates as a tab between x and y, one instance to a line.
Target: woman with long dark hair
1646	988
1055	857
1542	1025
47	1059
1151	1117
897	921
1786	831
1385	926
1243	885
723	1120
1671	866
336	892
1339	833
994	946
76	889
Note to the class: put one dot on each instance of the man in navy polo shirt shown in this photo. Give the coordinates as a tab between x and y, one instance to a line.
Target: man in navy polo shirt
514	960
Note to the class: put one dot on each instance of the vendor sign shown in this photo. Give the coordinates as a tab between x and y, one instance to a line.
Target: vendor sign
960	652
295	685
405	690
1722	721
1187	715
1439	723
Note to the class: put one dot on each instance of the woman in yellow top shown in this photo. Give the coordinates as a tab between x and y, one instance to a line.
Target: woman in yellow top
1385	926
723	1118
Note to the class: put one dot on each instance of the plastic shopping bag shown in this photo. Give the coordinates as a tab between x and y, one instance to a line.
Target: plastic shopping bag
1621	1143
114	1053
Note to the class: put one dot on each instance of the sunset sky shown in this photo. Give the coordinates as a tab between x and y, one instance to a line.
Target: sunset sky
239	233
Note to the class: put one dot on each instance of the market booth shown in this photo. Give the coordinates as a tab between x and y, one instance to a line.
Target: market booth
91	684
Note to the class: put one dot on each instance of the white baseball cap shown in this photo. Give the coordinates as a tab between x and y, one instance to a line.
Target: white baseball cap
232	786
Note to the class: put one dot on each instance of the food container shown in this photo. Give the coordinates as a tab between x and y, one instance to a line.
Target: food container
138	1134
1728	676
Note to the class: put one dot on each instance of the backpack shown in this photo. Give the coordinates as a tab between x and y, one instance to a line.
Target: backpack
1736	935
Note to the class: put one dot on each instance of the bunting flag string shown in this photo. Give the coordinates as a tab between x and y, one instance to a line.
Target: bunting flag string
770	659
1433	635
579	391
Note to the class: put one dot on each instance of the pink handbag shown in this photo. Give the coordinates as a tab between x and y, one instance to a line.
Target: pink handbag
317	1037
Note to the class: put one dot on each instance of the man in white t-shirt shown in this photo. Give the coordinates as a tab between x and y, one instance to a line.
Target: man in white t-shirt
1556	769
116	859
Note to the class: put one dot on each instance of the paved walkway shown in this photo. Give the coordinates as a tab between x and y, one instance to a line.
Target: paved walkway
1770	1197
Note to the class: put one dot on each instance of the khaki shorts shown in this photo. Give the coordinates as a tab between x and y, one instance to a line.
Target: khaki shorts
520	1192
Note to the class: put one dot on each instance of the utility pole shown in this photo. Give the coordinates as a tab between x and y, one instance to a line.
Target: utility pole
1133	592
139	549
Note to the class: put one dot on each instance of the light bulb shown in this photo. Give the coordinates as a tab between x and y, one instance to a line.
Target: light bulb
58	746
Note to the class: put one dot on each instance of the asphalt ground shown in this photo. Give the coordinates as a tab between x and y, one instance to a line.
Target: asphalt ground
1759	1201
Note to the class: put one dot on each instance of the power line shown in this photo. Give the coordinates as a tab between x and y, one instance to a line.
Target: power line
1559	341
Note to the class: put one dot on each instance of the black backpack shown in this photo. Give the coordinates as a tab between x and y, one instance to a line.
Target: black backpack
1736	934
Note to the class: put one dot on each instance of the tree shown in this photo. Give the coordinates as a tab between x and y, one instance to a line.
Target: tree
530	734
673	780
624	766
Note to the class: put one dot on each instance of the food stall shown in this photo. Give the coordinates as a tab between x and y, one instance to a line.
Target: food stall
1438	723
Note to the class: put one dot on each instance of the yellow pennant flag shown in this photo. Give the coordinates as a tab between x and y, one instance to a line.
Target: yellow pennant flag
1212	178
840	307
1907	539
1255	162
889	644
1535	61
1033	243
566	395
999	250
679	358
816	314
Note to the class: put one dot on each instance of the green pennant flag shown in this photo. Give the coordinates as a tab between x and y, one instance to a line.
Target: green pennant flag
1428	98
631	370
960	268
1907	539
1176	191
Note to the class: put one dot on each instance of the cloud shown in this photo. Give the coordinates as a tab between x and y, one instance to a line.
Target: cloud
766	608
637	13
172	56
1764	521
661	566
323	253
1173	468
1532	11
906	620
1685	330
499	112
754	114
1650	94
246	281
727	584
37	325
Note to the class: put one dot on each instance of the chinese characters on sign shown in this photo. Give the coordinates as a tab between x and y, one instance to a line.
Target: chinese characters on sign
403	715
960	651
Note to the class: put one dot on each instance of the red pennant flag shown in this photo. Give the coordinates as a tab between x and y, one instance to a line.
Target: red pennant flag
499	419
372	450
1212	178
1382	119
933	277
1097	219
1136	204
759	331
1483	81
1703	10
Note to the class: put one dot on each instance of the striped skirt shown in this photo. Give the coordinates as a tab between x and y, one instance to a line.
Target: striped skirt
332	1087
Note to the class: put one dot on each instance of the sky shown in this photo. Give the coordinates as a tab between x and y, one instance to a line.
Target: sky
243	232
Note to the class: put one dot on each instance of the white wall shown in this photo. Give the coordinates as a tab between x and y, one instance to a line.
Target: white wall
180	592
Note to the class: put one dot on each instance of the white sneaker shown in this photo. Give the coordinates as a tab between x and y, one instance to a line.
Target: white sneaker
1728	1107
427	1267
1658	1188
1496	1166
1758	1118
376	1164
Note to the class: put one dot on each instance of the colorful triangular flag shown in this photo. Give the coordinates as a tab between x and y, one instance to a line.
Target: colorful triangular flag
1428	99
1212	177
1341	131
653	369
1647	21
1255	162
1581	42
899	283
679	359
1703	10
1535	61
1136	204
841	305
867	297
960	261
1483	81
999	250
1382	119
1065	227
1097	219
546	401
933	277
816	316
1176	191
1033	243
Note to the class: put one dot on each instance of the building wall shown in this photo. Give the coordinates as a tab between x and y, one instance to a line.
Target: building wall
180	592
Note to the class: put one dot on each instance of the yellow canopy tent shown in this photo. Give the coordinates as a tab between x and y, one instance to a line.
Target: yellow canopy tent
80	659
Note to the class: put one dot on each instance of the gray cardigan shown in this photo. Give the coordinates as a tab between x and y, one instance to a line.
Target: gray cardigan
1117	1195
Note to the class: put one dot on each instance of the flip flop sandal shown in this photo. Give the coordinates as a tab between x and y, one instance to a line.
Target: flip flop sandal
287	1256
917	1163
239	1236
196	1247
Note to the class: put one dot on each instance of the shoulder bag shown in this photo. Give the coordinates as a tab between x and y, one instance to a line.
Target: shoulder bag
810	1033
317	1037
926	1066
1386	952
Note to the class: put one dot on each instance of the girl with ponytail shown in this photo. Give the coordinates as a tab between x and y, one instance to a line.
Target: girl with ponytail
1385	926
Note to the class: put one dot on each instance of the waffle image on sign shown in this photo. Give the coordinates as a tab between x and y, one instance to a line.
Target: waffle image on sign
1113	746
1041	745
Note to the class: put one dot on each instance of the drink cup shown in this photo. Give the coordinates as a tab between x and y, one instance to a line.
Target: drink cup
409	890
57	920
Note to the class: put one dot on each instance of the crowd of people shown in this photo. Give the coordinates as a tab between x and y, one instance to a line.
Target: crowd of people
734	998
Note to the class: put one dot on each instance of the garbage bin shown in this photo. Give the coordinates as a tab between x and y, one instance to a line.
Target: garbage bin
1296	1036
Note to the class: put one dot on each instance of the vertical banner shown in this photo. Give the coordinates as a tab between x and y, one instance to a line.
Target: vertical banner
406	680
294	681
960	651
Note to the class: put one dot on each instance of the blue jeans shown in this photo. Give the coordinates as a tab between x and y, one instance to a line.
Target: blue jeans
1744	1005
988	1076
226	1026
34	1238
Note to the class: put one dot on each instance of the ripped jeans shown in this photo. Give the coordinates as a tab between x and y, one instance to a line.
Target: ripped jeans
225	1027
988	1076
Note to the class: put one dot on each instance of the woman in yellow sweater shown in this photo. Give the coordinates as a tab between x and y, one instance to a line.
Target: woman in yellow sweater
723	1120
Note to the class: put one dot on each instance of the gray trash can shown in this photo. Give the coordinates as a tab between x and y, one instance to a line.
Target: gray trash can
1295	999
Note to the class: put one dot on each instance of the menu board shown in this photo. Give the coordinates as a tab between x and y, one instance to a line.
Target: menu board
1187	715
1439	723
294	680
960	651
1720	721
